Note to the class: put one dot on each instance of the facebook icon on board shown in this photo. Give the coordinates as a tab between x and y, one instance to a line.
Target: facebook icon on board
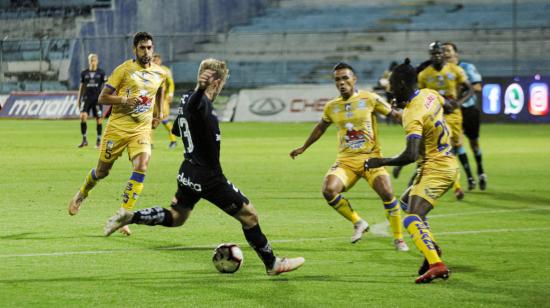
491	98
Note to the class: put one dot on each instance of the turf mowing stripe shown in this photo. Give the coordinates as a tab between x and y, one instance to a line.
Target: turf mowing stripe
68	253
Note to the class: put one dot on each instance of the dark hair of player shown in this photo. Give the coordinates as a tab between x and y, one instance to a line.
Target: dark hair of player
436	47
405	72
452	45
342	65
142	36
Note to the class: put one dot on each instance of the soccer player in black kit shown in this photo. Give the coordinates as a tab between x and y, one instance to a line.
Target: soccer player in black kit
201	175
91	83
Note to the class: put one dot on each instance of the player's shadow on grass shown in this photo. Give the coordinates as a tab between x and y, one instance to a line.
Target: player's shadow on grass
463	269
183	248
18	236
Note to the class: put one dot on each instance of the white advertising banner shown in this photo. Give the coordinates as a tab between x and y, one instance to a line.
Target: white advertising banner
284	103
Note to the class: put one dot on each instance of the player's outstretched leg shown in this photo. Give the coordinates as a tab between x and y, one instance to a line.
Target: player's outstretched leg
150	216
76	202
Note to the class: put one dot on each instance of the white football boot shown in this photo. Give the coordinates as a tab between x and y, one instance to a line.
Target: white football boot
400	245
283	265
120	221
76	202
360	227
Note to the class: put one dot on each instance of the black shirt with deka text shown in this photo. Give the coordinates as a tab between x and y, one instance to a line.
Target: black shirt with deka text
197	125
93	82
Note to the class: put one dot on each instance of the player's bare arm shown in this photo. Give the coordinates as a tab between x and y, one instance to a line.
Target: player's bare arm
396	115
107	97
317	132
464	95
409	155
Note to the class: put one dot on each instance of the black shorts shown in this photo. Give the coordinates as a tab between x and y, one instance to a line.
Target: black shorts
91	107
196	182
470	122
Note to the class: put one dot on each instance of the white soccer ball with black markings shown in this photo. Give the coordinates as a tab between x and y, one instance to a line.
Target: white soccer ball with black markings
227	258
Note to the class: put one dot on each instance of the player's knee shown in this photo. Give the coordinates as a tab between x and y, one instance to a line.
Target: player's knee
419	209
179	213
330	192
177	219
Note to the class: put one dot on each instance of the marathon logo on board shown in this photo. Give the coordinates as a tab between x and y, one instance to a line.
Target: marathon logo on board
37	105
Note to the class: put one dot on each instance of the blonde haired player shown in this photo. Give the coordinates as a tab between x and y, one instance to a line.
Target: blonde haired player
91	83
201	176
428	138
134	89
169	87
353	112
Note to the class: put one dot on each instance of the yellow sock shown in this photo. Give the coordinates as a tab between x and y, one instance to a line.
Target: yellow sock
133	190
342	206
393	214
422	237
168	126
89	182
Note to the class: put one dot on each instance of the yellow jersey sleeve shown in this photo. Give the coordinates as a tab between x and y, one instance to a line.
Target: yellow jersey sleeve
327	112
117	77
380	105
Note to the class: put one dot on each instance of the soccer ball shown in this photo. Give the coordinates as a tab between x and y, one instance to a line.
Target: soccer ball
227	258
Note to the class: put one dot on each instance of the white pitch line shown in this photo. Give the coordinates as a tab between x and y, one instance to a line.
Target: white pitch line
492	231
381	229
91	252
488	212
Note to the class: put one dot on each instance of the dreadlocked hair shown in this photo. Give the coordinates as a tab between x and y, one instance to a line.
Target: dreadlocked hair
405	72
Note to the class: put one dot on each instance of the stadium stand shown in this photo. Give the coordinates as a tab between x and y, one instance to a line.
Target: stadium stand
312	35
267	41
37	41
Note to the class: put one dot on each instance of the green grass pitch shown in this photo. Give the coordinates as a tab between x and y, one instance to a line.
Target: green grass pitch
495	242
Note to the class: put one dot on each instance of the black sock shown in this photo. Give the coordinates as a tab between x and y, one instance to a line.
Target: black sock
83	129
153	216
257	240
479	163
464	161
99	129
